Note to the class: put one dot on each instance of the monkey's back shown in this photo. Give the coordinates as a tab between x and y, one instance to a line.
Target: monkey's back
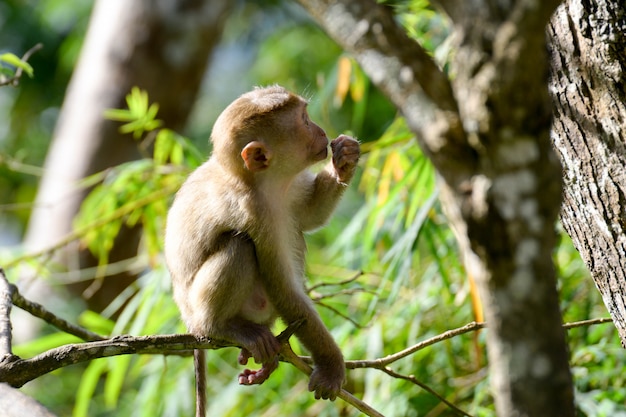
203	209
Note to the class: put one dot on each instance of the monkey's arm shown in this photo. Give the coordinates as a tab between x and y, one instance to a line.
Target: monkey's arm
328	186
286	294
316	208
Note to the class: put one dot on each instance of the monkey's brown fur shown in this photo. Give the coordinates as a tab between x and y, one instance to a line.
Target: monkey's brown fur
234	241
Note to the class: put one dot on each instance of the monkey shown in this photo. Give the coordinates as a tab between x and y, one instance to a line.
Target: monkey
234	239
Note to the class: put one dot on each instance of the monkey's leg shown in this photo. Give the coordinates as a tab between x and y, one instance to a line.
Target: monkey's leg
231	304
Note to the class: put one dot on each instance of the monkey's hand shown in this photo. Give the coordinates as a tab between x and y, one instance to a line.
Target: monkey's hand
327	379
346	152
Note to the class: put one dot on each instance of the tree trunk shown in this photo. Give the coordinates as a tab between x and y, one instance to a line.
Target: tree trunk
487	134
588	47
157	45
15	403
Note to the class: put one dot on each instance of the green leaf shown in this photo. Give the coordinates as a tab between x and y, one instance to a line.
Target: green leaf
163	146
7	72
152	110
12	59
87	387
140	116
43	343
96	323
115	379
137	101
178	155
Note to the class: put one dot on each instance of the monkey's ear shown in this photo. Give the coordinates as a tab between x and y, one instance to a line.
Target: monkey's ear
256	156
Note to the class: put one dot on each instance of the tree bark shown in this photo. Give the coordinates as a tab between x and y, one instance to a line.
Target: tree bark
487	134
15	403
158	45
588	49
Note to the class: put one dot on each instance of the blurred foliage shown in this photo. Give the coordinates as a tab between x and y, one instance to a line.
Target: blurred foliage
28	113
385	272
6	71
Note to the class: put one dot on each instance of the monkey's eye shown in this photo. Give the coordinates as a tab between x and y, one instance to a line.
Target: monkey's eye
305	118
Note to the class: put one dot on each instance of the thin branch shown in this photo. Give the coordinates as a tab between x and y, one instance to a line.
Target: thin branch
39	311
335	284
425	387
381	362
340	314
288	355
18	166
347	291
470	327
317	297
582	323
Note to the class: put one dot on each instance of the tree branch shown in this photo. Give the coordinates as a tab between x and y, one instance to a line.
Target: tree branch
39	311
16	371
406	73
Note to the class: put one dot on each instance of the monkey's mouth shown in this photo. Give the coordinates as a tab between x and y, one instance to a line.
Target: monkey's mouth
321	155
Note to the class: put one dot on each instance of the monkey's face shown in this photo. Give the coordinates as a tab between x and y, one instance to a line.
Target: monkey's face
288	143
300	144
313	137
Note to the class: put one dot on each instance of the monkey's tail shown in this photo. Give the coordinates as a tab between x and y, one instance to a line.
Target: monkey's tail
199	362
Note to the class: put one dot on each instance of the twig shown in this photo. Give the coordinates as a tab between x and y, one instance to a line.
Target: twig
18	166
333	284
340	314
289	356
39	311
425	387
5	316
470	327
348	291
600	320
381	362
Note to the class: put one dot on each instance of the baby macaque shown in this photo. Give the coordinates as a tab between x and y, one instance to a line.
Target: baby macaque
234	241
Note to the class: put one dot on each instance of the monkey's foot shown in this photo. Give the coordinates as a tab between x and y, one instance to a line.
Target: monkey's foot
256	377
